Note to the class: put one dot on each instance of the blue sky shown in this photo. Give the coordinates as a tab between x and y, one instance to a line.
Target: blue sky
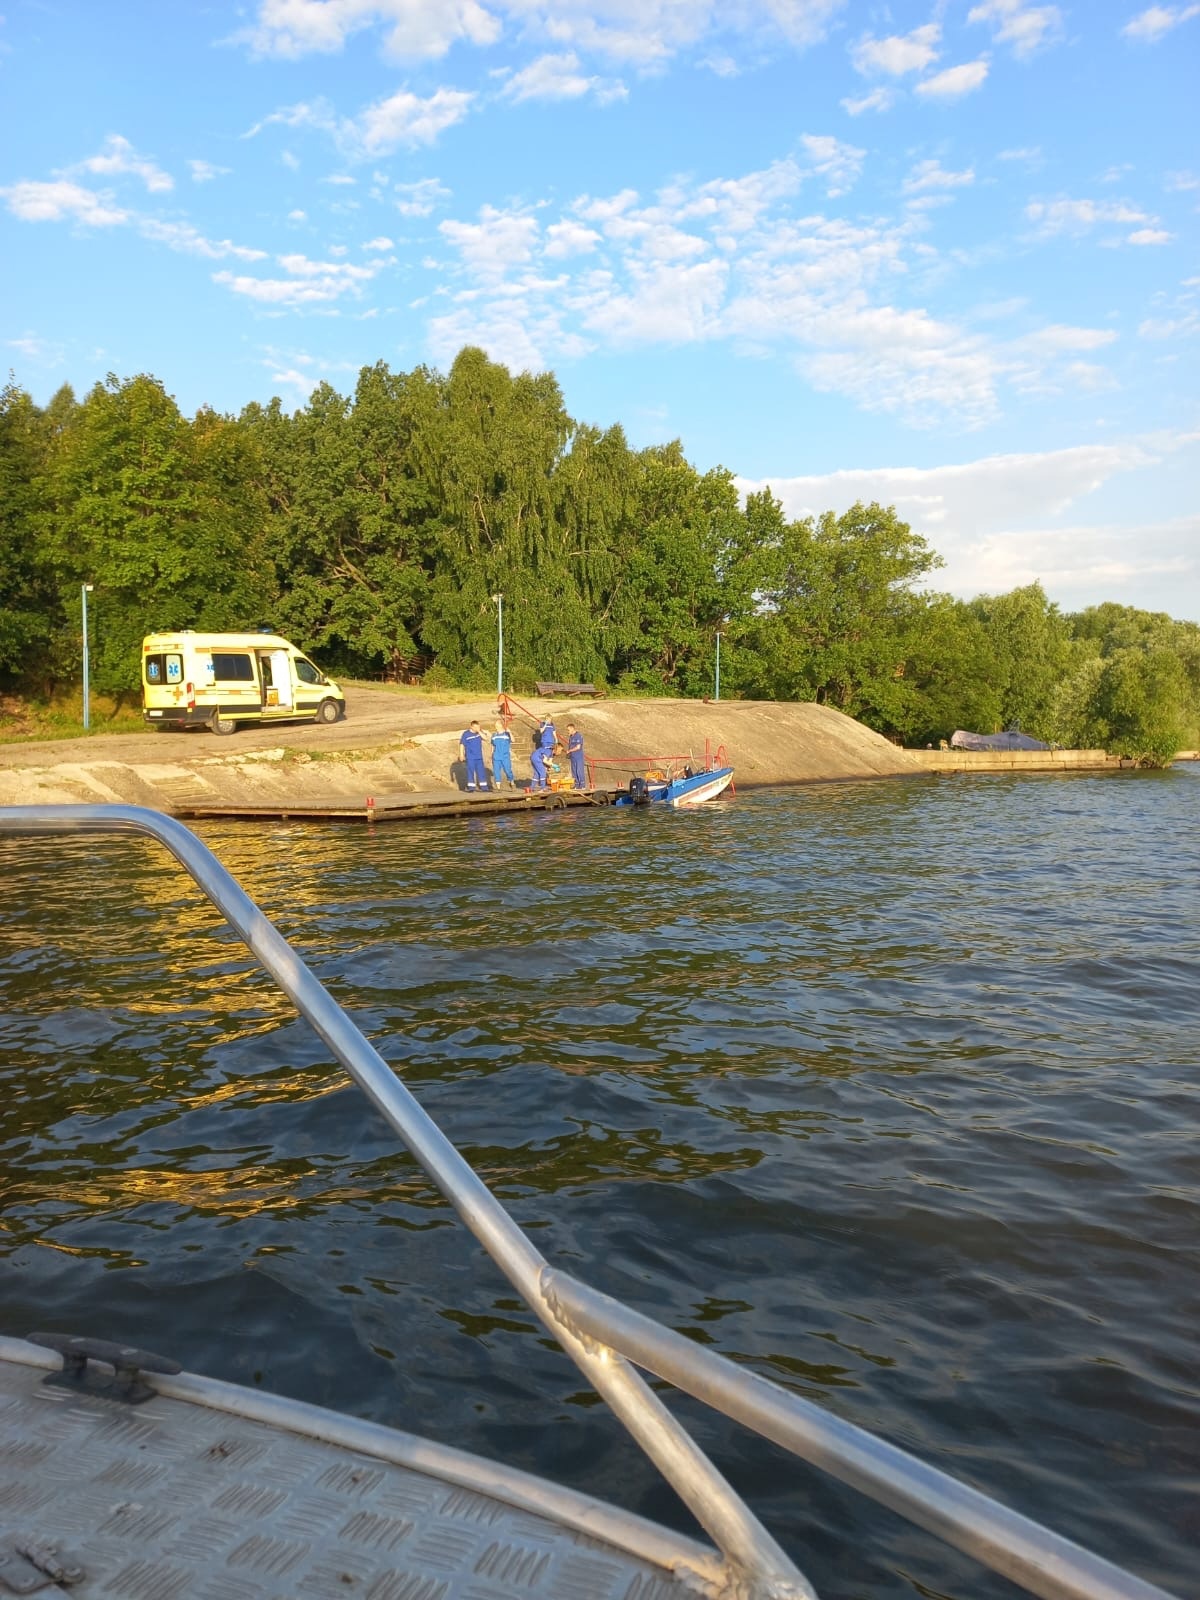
941	255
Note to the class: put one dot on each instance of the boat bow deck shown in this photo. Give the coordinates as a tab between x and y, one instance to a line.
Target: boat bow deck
183	1496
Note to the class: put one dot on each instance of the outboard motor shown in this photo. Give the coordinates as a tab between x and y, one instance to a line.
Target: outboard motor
639	792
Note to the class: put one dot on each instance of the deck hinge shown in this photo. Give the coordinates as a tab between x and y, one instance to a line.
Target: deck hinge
27	1565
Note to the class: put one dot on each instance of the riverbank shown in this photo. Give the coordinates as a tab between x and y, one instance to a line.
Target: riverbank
404	744
396	743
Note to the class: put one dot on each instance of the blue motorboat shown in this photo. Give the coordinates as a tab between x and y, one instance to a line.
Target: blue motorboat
688	789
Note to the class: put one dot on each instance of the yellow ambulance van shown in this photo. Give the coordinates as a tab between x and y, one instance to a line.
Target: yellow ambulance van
216	680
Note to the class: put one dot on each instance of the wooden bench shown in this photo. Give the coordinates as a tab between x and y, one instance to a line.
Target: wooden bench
554	689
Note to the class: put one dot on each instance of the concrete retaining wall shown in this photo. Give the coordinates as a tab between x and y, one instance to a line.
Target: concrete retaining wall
1016	760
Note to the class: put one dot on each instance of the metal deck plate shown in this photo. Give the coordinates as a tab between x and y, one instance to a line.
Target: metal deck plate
172	1499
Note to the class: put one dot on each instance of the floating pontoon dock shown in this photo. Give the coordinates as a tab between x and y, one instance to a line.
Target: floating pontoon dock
398	807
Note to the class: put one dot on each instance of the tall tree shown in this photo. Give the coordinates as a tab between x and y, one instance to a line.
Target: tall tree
28	592
839	610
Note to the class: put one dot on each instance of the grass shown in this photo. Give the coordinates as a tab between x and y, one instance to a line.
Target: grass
417	691
28	720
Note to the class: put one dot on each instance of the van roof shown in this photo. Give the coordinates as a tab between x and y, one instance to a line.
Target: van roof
185	638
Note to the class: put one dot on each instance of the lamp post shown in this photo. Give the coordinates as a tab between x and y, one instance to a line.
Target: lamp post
717	683
84	591
499	599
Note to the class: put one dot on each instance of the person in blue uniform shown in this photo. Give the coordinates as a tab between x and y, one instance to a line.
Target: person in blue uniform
543	749
470	748
502	756
575	754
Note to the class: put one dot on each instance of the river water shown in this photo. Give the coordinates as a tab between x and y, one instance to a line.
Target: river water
888	1090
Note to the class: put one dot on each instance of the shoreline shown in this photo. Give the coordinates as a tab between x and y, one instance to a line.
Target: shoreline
392	746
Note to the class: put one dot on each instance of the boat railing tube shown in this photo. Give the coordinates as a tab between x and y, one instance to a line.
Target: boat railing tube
1040	1561
603	1336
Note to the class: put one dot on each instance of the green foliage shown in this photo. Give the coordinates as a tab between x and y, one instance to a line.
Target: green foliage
1031	648
383	525
28	594
839	614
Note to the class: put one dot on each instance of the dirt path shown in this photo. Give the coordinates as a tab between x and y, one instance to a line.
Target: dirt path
373	717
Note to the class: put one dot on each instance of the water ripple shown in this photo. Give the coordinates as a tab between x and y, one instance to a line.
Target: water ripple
887	1090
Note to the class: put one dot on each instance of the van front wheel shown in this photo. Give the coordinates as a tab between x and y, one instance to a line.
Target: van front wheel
220	724
328	711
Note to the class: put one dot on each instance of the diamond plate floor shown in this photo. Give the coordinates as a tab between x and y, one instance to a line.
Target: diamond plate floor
171	1499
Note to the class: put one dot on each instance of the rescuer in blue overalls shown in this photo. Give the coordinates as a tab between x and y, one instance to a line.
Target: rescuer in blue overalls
546	741
575	753
470	748
502	756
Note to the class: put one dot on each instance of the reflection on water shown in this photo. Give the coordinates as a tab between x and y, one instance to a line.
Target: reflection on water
887	1089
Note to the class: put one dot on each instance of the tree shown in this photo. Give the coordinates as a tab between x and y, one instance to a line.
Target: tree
1031	645
1140	696
839	613
156	513
28	592
349	511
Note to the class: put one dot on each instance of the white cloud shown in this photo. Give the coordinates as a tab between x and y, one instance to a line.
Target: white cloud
407	119
667	303
1025	27
1172	328
899	53
1058	336
1181	182
206	171
644	35
550	77
340	180
117	158
182	236
1079	216
412	30
308	282
297	216
927	175
738	260
839	164
34	348
289	378
402	118
954	82
381	243
1179	315
1156	21
1001	521
880	99
570	239
420	198
499	239
62	201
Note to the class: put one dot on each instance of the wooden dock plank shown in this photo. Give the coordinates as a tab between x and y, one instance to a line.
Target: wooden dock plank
394	808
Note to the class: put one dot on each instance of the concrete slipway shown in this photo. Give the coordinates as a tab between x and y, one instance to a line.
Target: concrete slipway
403	747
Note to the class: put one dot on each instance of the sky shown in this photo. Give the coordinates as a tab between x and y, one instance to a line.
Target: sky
939	255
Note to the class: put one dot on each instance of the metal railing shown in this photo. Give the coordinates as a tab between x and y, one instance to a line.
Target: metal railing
604	1337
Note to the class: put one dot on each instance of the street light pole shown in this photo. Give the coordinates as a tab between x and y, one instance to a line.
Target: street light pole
499	599
717	685
84	591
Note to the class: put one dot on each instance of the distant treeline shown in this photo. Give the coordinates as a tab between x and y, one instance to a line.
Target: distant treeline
377	528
